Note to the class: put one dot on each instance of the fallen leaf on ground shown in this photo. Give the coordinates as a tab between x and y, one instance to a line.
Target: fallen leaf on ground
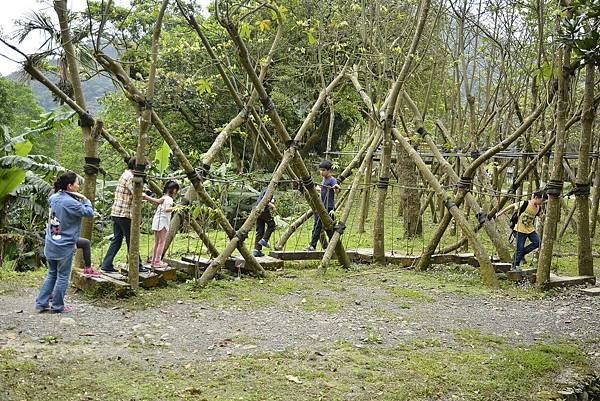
293	379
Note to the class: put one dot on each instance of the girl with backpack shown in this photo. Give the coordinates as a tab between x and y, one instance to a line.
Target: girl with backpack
522	223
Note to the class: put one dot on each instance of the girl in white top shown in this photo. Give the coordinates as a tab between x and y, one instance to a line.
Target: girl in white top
161	221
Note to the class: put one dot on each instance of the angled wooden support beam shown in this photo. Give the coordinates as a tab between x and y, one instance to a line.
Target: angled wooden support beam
242	233
485	267
133	94
503	250
297	163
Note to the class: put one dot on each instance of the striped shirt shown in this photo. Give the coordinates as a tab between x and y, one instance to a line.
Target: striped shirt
123	196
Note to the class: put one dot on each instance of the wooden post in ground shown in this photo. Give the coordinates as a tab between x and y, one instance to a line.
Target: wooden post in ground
380	206
140	156
86	121
585	262
555	184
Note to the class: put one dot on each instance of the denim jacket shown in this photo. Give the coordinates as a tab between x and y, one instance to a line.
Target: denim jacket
62	231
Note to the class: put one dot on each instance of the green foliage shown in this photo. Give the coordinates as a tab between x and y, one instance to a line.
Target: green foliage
581	30
162	157
17	105
24	190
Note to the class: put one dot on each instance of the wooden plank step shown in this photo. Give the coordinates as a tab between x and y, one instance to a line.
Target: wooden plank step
525	274
188	268
202	263
147	279
501	267
267	262
456	258
401	260
236	262
167	273
100	285
594	291
360	255
564	281
297	255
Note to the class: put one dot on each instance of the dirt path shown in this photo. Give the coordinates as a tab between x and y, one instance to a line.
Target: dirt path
202	330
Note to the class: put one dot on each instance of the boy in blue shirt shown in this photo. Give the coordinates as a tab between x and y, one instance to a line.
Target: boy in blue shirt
329	186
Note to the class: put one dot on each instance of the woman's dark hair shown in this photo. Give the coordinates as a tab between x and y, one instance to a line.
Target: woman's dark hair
61	182
171	186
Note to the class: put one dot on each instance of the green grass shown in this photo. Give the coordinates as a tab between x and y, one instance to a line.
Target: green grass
467	370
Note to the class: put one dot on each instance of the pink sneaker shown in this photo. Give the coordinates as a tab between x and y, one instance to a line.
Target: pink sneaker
159	264
66	309
89	271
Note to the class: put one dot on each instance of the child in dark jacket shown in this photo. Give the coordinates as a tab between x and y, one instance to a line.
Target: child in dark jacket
265	225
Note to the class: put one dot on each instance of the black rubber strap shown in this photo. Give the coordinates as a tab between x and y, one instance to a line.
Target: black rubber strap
86	120
383	182
339	227
554	187
241	234
465	183
91	166
581	189
194	178
482	217
268	104
203	170
308	182
139	171
422	131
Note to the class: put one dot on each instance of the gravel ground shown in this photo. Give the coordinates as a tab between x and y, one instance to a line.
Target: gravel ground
190	329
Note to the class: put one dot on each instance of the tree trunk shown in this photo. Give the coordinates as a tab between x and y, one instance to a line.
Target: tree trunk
140	156
382	186
585	262
86	121
410	197
556	178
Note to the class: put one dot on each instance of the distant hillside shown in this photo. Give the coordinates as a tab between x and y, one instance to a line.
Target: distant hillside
93	90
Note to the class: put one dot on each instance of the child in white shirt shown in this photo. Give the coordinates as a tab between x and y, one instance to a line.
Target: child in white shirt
161	222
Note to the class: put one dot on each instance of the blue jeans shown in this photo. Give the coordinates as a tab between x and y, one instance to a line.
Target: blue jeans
121	229
523	250
56	283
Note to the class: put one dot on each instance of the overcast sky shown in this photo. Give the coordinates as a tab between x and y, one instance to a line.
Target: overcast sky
19	9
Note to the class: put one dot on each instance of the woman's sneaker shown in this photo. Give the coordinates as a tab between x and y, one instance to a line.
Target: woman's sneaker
264	243
89	271
66	309
258	253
